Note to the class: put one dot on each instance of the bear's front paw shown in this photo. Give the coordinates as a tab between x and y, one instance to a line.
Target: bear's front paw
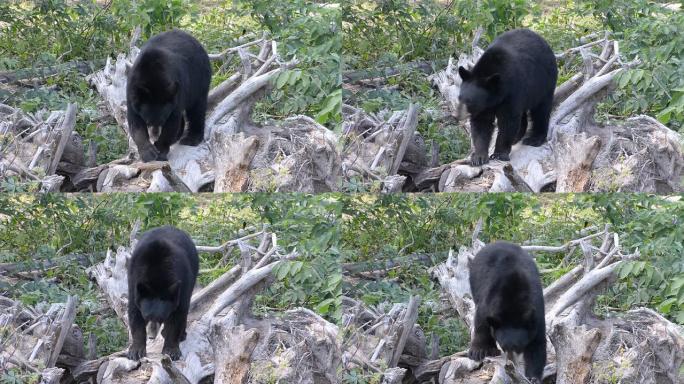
479	353
174	352
477	160
136	352
500	156
534	141
148	153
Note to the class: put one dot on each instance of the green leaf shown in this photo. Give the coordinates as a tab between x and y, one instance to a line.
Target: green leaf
282	271
324	306
666	305
282	79
626	269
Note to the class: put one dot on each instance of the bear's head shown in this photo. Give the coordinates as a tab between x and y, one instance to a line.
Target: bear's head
510	312
513	335
155	303
478	93
154	89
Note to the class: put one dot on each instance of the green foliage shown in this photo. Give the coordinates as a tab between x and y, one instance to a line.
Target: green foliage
154	15
310	225
652	32
384	32
356	376
15	376
654	226
46	31
310	32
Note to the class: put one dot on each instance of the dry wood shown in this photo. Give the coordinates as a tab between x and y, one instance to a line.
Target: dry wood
65	130
575	155
406	134
65	323
232	154
233	346
37	338
407	323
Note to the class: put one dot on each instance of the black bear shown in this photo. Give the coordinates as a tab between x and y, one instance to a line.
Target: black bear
516	74
161	275
168	84
509	306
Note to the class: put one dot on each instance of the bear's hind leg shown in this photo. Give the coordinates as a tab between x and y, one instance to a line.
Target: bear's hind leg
196	117
540	123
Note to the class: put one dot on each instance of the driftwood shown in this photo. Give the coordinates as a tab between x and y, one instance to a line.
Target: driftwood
635	155
225	343
37	146
379	147
36	339
295	154
638	346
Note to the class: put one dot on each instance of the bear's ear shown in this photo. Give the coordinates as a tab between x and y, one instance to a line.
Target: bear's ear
493	81
464	73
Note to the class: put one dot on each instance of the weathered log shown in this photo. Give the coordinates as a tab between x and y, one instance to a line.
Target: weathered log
35	339
575	155
233	346
232	157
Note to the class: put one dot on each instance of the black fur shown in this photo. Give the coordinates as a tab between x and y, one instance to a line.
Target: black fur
161	275
516	74
507	291
168	84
